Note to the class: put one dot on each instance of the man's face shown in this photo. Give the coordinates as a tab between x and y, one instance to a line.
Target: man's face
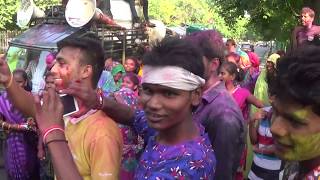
67	68
166	107
306	20
296	131
230	47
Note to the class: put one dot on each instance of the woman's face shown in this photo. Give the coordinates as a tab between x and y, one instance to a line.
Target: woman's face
166	107
127	83
296	131
20	80
225	75
130	65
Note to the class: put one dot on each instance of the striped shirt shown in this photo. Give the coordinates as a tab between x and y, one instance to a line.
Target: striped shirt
265	163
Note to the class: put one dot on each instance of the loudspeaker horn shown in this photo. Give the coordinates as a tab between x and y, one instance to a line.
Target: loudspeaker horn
79	12
27	11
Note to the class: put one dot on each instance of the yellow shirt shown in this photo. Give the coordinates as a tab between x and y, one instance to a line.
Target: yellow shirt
96	145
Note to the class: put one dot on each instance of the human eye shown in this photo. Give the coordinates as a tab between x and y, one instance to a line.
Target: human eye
170	94
146	90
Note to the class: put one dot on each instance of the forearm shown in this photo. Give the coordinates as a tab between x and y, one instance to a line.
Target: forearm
21	99
253	132
62	160
121	113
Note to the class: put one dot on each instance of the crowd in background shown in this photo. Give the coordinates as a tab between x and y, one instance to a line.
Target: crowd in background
190	108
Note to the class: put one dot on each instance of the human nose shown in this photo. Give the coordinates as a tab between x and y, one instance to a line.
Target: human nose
154	102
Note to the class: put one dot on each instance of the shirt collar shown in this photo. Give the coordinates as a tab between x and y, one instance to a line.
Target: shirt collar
213	91
74	121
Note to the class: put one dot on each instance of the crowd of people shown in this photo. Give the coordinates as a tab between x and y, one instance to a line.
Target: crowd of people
182	111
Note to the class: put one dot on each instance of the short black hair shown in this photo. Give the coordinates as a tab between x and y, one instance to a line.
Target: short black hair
298	77
175	52
92	53
209	42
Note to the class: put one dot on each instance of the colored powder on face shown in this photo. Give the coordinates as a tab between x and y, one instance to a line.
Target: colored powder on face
301	114
305	147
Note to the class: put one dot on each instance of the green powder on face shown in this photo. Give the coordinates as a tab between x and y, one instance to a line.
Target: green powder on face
305	147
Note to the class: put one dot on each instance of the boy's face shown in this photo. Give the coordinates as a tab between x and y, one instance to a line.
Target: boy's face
296	131
67	68
166	107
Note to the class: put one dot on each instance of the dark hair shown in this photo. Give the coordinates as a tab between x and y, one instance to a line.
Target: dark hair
175	52
209	42
234	55
307	10
298	77
92	53
232	41
281	52
24	75
136	64
133	77
233	69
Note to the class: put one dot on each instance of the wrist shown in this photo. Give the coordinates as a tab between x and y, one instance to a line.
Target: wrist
55	135
99	99
9	82
51	131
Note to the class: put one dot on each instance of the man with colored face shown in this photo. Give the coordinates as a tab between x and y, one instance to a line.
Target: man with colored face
93	138
307	33
296	119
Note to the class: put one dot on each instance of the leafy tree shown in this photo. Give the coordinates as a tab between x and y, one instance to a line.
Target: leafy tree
9	10
271	19
187	12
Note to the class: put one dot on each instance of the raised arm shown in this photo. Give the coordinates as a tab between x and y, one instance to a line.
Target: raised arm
21	99
121	113
49	115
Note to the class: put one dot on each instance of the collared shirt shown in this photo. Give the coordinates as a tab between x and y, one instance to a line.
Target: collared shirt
223	121
193	159
96	144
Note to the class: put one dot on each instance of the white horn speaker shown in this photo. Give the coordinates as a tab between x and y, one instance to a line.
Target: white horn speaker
79	12
26	12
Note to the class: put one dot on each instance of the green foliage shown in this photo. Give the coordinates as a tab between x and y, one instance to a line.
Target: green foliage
9	10
270	19
181	12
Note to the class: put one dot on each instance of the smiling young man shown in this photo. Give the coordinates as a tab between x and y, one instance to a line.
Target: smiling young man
93	138
296	120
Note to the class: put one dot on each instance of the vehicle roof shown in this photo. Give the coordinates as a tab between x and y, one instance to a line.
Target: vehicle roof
44	36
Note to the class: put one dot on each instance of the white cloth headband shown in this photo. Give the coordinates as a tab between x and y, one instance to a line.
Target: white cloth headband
172	76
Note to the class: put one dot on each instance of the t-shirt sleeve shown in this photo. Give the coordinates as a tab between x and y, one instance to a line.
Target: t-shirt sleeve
105	157
141	126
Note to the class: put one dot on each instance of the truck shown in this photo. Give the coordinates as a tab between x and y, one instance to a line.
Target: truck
29	49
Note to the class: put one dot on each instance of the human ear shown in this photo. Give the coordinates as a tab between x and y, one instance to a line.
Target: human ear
86	71
196	97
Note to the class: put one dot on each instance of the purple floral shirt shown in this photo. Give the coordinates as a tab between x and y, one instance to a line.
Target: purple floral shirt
192	159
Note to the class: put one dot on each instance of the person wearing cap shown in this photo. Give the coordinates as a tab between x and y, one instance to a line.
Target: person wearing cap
261	87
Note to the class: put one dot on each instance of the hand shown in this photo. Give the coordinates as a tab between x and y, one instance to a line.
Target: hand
87	95
260	114
51	111
5	73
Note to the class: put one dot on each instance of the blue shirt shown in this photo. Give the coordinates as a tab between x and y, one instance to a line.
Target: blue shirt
223	121
192	159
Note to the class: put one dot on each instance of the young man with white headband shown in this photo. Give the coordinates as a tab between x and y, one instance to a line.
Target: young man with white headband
171	87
